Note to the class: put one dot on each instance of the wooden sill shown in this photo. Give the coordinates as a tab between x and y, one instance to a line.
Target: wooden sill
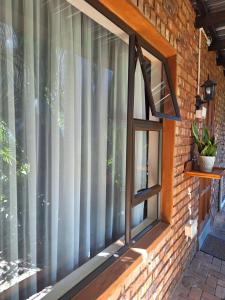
217	173
115	275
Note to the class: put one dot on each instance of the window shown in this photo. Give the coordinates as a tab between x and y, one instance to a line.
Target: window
149	97
63	128
80	143
147	176
159	94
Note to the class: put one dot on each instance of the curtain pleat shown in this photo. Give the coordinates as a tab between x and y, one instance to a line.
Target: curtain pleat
78	75
86	141
140	144
54	65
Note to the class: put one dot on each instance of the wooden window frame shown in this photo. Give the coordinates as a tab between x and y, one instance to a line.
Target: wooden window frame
119	13
135	53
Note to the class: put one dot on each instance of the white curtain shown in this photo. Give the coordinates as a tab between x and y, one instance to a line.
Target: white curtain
63	110
147	158
140	175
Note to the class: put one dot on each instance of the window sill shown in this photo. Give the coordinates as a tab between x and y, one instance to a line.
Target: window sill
109	280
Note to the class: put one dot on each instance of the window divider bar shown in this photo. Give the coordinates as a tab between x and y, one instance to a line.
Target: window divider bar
140	125
145	194
130	138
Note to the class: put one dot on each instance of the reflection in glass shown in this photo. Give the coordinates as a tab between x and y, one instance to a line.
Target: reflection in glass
160	89
62	142
159	86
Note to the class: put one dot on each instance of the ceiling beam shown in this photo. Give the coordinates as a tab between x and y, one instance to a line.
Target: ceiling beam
220	60
203	12
217	45
202	8
210	19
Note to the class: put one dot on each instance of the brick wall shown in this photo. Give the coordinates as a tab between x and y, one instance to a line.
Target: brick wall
153	280
208	67
175	21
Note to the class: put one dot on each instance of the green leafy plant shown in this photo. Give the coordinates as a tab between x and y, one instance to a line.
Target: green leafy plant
6	154
206	145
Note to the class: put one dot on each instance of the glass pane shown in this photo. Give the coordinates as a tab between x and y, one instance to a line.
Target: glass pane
63	112
158	83
140	110
145	214
160	88
147	160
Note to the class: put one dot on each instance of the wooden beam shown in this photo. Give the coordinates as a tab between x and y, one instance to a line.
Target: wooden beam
210	19
203	10
217	45
220	60
131	15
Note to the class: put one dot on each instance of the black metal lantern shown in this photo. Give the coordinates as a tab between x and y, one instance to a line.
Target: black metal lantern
208	89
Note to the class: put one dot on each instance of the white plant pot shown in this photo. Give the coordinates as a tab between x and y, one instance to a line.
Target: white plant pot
206	163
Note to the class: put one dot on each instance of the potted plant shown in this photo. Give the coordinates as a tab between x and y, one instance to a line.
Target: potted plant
207	148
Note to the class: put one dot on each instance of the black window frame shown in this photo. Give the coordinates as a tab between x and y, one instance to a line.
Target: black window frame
139	43
143	125
134	125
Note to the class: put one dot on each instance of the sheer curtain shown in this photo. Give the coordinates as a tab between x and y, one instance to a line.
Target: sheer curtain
140	176
63	110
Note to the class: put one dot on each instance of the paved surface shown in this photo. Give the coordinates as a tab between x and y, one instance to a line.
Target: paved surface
204	279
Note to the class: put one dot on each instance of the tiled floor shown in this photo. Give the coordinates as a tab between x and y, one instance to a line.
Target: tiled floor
204	279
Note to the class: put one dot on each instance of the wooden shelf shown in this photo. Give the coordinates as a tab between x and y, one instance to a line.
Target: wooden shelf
217	173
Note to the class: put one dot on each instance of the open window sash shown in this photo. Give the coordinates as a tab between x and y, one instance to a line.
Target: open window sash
160	96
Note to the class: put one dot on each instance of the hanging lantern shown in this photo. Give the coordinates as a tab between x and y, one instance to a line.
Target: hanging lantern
209	89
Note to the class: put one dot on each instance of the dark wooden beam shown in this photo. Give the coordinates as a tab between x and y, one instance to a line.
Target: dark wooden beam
210	19
202	8
217	45
220	60
203	12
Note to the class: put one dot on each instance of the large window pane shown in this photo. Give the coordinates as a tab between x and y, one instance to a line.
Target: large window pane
63	112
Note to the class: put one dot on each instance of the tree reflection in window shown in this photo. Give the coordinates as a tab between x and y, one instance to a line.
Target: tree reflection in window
11	272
